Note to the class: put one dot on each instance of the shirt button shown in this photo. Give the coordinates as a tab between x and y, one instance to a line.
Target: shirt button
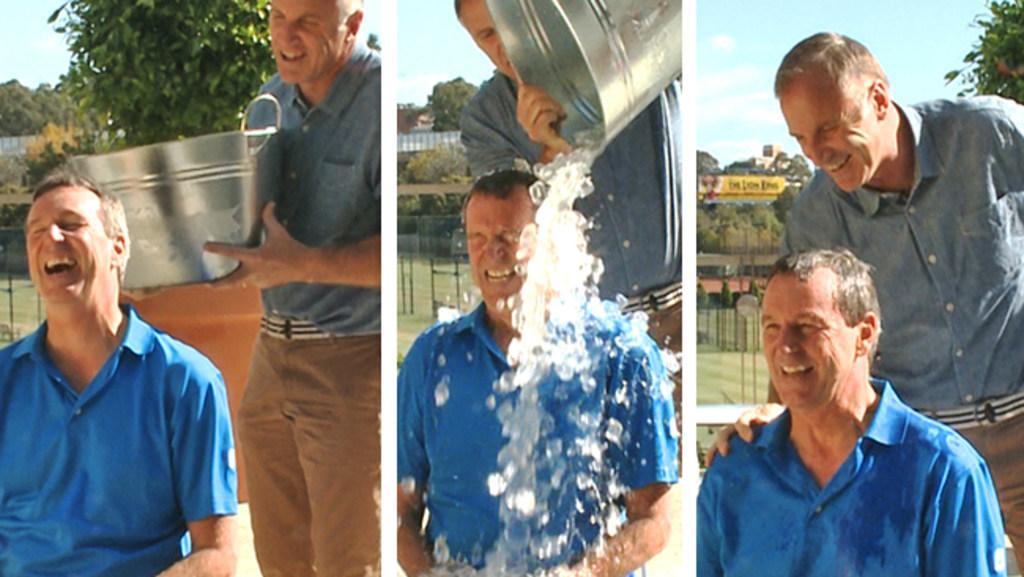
932	259
305	128
636	287
959	353
969	398
625	243
911	210
950	307
78	412
292	175
611	197
817	510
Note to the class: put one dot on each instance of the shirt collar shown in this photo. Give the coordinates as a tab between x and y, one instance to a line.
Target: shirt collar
138	338
475	323
344	87
888	425
927	164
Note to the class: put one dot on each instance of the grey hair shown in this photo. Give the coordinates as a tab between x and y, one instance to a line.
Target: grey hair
855	294
840	58
111	210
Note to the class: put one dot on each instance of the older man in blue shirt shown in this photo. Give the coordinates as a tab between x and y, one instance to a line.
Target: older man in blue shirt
309	422
115	439
637	198
608	444
849	481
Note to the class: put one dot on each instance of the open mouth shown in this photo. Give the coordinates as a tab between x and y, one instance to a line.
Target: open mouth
58	266
289	56
836	166
499	275
795	369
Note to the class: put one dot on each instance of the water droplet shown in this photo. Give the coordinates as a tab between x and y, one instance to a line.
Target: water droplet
441	392
442	360
408	485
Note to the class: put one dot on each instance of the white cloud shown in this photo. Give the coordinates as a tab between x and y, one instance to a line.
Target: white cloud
737	96
723	43
416	87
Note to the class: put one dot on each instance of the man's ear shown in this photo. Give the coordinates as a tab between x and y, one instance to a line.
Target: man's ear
868	330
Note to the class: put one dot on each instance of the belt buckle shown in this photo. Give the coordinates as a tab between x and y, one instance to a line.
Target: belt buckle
985	414
288	329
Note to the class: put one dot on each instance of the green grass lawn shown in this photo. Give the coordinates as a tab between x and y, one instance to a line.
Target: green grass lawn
730	377
415	309
27	310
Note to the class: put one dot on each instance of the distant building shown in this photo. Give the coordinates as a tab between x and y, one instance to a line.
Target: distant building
15	145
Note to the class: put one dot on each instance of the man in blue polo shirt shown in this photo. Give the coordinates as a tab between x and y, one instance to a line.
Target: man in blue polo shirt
609	439
849	481
115	439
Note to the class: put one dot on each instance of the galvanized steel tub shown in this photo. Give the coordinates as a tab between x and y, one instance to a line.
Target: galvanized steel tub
179	195
603	60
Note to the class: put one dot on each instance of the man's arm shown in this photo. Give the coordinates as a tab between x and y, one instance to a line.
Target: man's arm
412	547
281	259
213	550
644	535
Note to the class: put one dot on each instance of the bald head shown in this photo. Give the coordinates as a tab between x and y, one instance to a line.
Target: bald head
835	57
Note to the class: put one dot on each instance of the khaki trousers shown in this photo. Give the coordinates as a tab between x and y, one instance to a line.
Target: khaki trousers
1000	445
309	425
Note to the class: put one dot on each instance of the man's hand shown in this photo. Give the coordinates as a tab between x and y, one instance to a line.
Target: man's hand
645	534
744	426
277	261
541	117
413	556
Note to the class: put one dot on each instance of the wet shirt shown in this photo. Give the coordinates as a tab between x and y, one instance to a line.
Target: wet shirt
636	203
450	436
103	483
947	257
912	499
329	193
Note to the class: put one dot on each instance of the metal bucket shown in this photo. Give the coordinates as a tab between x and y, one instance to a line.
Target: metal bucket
179	195
603	60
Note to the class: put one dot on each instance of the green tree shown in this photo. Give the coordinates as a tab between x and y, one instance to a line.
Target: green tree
447	101
706	163
726	296
995	65
703	300
169	69
443	164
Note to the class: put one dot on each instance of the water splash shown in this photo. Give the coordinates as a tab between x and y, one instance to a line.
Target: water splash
555	343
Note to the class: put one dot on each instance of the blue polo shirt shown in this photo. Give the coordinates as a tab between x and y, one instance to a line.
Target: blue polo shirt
449	433
103	483
912	499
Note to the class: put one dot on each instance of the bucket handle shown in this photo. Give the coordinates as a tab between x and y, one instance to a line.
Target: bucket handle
266	131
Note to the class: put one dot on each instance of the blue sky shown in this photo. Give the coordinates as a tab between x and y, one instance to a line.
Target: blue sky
741	42
35	54
433	47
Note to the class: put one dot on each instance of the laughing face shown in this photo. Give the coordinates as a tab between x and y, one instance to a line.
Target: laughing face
810	348
838	130
70	255
311	42
493	229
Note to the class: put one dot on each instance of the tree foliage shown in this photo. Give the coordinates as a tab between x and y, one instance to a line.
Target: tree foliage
444	164
169	69
995	65
24	112
447	101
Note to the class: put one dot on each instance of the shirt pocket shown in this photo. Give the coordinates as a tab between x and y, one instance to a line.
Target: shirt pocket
334	207
994	236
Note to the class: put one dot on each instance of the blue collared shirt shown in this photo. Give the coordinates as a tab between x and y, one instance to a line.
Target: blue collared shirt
637	199
912	499
451	446
330	188
947	257
103	483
